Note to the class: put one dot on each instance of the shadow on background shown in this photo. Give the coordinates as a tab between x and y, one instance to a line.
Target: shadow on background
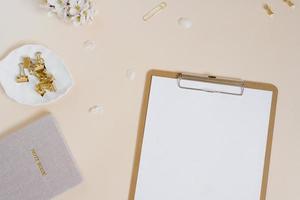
23	124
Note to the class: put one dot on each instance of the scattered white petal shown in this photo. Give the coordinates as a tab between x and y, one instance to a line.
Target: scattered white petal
96	109
185	23
89	45
131	74
50	14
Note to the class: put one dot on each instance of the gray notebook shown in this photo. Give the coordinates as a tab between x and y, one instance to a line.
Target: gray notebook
35	163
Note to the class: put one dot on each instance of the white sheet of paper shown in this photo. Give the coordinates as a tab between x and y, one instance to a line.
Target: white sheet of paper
203	146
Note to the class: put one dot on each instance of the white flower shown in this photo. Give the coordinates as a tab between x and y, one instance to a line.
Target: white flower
76	20
78	12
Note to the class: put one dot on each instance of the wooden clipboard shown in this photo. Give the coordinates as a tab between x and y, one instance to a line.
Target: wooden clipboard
211	79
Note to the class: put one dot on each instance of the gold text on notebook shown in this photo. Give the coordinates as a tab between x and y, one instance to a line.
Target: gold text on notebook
38	162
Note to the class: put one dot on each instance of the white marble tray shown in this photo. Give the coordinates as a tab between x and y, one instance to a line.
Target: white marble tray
24	93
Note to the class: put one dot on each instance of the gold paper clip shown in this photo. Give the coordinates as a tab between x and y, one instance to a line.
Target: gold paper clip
154	11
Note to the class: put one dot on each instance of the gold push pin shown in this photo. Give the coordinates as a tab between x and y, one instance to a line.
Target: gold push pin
289	3
22	78
268	9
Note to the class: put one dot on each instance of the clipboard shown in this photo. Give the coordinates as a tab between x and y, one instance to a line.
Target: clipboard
209	163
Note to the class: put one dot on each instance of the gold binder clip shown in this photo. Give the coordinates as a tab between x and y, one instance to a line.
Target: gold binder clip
39	65
49	86
289	3
154	11
39	89
268	9
27	62
37	68
22	78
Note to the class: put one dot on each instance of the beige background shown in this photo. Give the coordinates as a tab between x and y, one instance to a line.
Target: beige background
229	38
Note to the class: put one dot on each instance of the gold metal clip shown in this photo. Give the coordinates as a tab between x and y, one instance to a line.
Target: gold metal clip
22	78
37	68
154	11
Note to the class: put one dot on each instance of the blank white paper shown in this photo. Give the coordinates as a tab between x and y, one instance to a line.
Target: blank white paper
203	146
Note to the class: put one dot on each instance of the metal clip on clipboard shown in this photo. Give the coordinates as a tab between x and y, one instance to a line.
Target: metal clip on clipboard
237	83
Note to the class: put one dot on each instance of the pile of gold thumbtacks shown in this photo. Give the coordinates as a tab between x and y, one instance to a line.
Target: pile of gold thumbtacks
36	67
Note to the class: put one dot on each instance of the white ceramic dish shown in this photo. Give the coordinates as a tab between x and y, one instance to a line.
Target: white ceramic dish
24	93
